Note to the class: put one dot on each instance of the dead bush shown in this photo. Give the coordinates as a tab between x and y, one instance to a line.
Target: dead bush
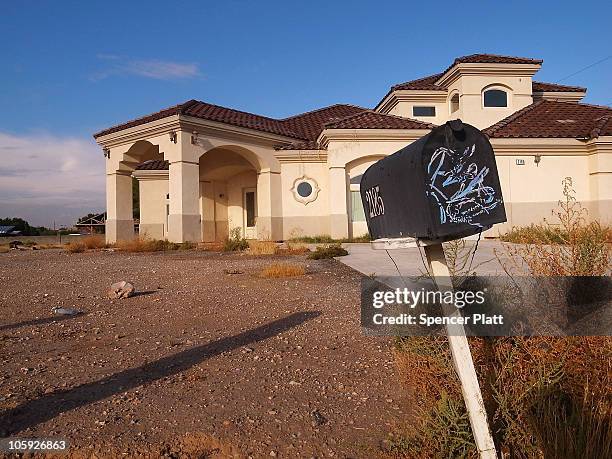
262	247
76	247
283	270
572	248
94	242
145	244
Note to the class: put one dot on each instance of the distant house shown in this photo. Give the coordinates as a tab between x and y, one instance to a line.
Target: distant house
204	170
6	231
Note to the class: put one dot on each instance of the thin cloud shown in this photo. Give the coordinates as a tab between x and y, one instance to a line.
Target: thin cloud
147	68
46	178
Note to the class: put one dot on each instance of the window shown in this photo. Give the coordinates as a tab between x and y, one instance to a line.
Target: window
357	213
495	98
304	189
454	103
423	111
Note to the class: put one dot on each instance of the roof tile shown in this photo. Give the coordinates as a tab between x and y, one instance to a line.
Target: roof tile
374	120
556	119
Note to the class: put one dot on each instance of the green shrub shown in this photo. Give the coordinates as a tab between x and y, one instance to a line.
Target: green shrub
319	239
328	251
235	242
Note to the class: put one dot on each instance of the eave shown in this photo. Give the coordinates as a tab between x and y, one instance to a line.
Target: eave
370	135
487	69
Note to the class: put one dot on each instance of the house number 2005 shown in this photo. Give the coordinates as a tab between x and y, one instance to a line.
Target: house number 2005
375	202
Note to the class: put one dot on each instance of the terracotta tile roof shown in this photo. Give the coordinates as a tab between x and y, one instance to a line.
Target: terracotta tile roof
495	59
373	120
210	112
154	165
307	145
426	83
538	86
547	118
366	119
310	124
305	126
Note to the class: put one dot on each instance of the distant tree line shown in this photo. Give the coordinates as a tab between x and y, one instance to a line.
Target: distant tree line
28	230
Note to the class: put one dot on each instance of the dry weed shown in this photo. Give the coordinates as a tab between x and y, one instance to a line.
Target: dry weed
283	270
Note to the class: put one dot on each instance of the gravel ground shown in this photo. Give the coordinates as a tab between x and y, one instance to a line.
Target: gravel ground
259	367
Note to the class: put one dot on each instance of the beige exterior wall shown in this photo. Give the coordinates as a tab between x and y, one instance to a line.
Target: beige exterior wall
153	189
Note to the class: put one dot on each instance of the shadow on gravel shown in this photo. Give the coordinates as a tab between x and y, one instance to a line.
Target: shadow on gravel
33	322
42	409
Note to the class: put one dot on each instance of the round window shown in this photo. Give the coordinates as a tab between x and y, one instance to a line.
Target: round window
304	189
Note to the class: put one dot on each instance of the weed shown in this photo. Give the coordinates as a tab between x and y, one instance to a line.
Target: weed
94	242
573	248
328	251
76	247
235	242
283	270
263	247
144	244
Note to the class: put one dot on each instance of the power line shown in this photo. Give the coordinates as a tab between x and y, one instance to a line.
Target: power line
585	68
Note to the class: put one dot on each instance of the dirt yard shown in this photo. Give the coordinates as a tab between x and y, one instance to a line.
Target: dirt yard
198	361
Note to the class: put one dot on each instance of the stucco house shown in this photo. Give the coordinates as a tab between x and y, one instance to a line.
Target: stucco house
204	169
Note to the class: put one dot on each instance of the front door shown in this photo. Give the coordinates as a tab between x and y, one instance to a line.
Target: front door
250	213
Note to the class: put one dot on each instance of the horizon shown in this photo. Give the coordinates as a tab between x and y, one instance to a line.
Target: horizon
73	69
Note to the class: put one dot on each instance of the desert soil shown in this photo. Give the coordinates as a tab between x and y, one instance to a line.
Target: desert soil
199	362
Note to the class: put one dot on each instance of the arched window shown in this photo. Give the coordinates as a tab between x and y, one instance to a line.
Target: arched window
454	103
495	98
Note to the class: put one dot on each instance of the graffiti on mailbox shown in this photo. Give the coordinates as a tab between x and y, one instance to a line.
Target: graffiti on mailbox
457	187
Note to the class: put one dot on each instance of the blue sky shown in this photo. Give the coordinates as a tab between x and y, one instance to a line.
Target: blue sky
70	68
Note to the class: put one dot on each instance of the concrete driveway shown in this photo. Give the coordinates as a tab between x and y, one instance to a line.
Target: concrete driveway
410	263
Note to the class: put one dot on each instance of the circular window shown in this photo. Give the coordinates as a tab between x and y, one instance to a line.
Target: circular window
304	189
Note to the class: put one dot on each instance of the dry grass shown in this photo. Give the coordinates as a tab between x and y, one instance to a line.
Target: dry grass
4	249
296	248
545	396
283	270
328	251
263	248
571	248
76	247
95	241
144	244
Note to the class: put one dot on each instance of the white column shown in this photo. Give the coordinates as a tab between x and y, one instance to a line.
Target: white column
119	218
184	187
269	206
338	208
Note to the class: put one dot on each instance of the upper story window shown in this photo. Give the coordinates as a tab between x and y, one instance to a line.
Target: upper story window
495	98
423	111
454	103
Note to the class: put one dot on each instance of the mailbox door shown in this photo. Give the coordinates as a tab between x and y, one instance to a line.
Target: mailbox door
462	185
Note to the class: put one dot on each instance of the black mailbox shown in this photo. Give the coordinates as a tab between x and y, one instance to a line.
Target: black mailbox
444	186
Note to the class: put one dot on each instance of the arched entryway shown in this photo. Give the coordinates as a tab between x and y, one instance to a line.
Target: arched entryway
228	193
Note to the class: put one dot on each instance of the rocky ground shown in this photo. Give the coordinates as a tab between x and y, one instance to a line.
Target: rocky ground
199	361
